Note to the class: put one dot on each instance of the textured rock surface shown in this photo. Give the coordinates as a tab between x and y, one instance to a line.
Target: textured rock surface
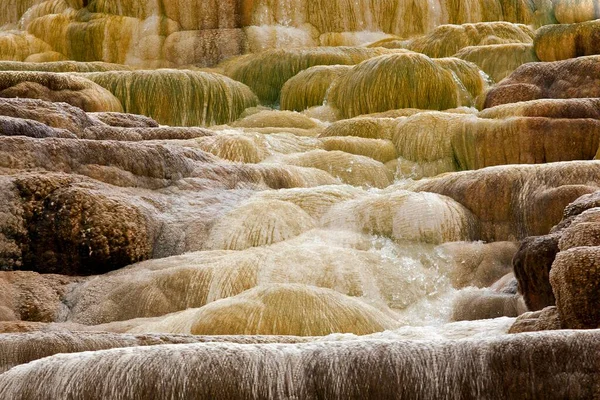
560	79
541	363
516	201
55	115
21	349
561	42
544	320
421	82
49	86
178	97
575	279
28	296
60	226
447	40
532	265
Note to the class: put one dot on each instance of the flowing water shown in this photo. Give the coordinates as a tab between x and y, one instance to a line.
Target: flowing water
318	207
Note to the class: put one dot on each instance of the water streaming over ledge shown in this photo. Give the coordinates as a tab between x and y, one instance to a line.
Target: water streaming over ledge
275	199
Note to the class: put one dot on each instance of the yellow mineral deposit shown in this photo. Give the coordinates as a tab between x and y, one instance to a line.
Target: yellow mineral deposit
266	73
423	83
499	60
573	11
207	98
297	310
576	40
447	40
273	199
310	87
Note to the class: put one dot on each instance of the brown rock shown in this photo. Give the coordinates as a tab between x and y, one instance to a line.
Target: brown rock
544	320
140	134
75	90
532	264
39	340
572	78
62	227
124	120
549	108
556	42
29	296
575	279
478	304
24	127
584	230
55	115
516	201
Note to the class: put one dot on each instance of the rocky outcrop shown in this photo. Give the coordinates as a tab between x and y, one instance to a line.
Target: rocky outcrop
23	127
55	115
28	296
560	79
124	120
544	320
575	279
49	86
532	265
516	201
60	226
561	268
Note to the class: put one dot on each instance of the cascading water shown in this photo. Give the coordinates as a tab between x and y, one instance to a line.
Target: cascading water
275	199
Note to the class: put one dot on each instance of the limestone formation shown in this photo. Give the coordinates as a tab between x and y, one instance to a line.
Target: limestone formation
549	108
22	349
477	304
499	60
377	149
310	87
544	320
60	226
257	224
22	127
561	42
478	264
139	134
361	127
575	278
418	82
124	120
186	98
447	40
348	168
516	201
62	66
28	296
296	310
401	215
573	11
266	72
48	86
55	115
548	80
547	363
532	265
276	119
